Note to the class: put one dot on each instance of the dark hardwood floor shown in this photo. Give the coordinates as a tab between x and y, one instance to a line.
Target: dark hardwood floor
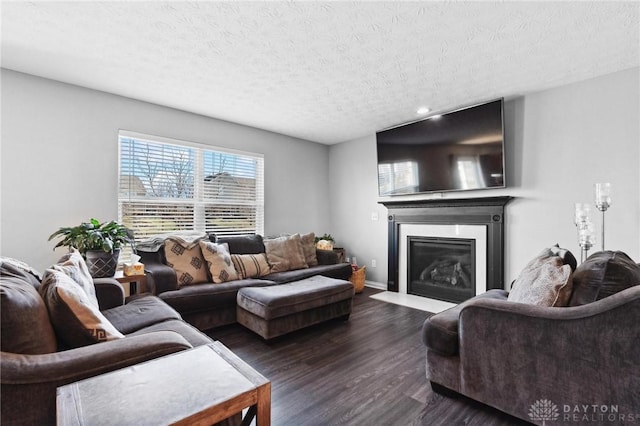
369	370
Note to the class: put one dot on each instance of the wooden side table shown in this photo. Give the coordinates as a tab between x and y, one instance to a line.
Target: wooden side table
199	386
137	283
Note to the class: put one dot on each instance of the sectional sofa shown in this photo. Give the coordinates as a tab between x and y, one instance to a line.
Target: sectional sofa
210	304
65	326
44	345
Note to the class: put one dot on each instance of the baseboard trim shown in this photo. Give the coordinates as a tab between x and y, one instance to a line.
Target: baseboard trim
375	284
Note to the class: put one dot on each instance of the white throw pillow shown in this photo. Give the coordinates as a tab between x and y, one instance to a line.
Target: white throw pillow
219	261
74	266
76	321
545	281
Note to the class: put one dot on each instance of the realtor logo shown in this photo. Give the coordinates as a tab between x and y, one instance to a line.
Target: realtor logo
544	410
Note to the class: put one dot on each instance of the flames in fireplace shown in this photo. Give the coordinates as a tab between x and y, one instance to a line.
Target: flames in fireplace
452	271
441	268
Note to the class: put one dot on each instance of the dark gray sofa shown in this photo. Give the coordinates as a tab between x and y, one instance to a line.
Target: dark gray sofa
514	356
34	361
209	305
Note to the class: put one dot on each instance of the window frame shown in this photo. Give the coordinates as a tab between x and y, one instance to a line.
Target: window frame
198	201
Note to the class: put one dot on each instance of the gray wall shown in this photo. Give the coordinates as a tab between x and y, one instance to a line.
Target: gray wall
59	167
59	162
559	143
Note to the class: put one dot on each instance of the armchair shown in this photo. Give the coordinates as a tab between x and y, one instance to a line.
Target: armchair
511	355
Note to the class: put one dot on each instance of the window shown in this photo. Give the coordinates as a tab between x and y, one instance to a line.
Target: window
167	185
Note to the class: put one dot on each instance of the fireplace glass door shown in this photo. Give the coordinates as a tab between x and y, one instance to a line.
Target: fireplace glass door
441	268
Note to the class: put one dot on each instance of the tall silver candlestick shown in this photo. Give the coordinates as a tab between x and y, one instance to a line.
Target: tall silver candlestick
586	237
603	201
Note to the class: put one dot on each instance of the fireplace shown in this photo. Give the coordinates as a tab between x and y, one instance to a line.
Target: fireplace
441	268
444	249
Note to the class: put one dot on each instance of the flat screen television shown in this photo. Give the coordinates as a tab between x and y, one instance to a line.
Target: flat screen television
456	151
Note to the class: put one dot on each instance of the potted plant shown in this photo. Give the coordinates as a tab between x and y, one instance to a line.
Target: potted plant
99	243
325	242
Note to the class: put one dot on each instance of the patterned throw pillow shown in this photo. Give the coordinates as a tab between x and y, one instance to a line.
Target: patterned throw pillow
545	281
219	262
74	266
285	253
75	319
251	265
309	248
187	261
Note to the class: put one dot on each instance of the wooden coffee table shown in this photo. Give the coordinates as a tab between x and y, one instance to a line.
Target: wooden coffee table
203	385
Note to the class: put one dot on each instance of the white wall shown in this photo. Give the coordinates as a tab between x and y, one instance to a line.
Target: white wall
559	143
59	162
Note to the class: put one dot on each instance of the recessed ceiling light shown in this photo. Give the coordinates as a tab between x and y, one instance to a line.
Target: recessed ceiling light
435	117
423	110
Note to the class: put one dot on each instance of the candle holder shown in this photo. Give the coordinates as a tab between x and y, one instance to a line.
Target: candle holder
586	239
603	201
582	214
586	234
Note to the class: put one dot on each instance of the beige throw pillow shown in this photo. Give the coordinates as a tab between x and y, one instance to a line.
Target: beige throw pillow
545	281
309	248
75	319
74	266
218	261
251	265
187	261
285	253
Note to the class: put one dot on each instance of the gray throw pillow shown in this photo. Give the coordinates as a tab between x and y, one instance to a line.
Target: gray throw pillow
241	244
604	273
26	328
285	253
309	248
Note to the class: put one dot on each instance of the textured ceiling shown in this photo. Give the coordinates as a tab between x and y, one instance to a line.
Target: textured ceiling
322	71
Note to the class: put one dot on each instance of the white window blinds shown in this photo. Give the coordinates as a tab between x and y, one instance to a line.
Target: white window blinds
167	185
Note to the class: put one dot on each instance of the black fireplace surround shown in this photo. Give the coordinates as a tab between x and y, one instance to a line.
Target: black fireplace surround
486	211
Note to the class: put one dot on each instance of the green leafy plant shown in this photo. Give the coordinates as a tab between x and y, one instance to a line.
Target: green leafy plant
326	237
93	235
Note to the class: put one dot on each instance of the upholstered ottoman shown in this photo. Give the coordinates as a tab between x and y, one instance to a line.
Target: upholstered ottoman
276	310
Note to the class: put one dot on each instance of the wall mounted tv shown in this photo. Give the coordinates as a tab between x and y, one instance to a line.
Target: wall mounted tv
456	151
